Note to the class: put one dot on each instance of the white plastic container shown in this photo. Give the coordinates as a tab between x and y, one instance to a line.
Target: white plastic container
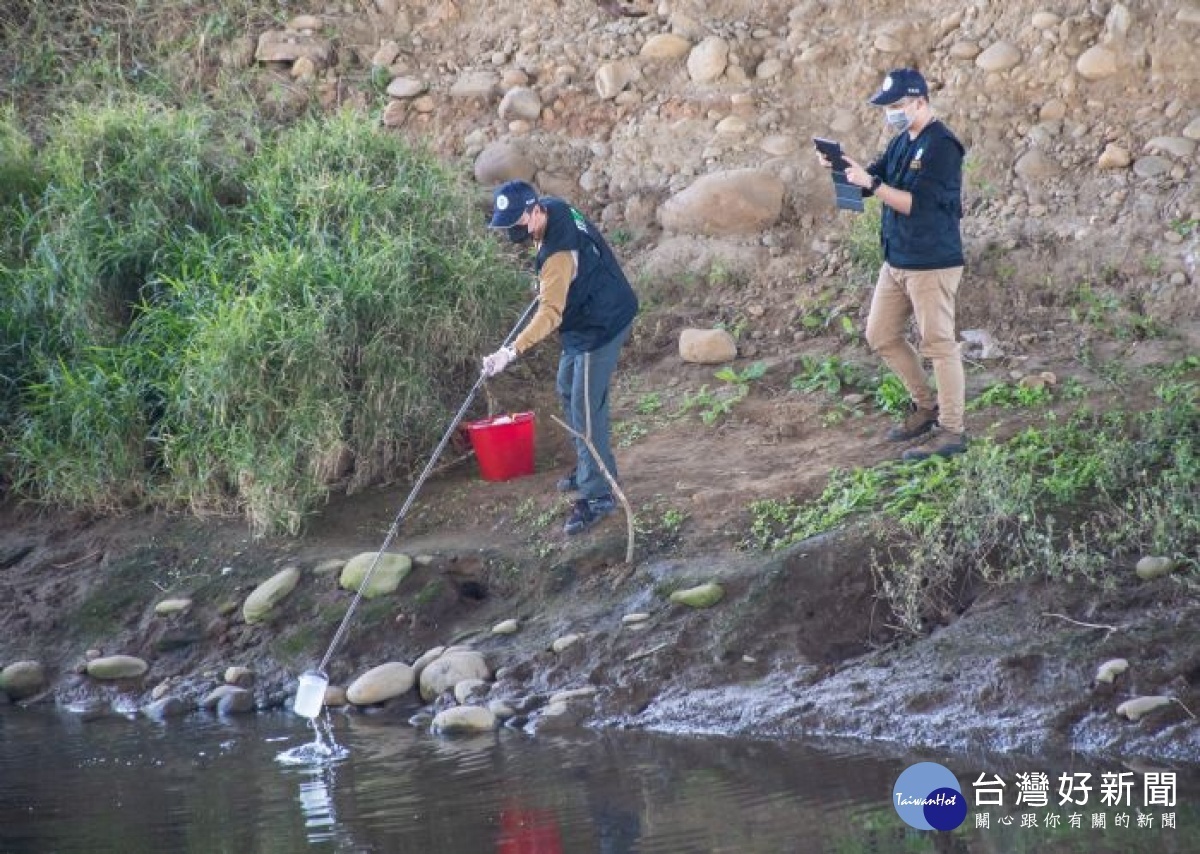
310	695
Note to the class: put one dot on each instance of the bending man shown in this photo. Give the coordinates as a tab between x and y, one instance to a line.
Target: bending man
582	293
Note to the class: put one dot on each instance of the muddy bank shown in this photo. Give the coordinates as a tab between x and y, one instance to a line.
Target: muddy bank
796	647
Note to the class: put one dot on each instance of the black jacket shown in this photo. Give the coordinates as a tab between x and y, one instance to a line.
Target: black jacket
929	167
600	300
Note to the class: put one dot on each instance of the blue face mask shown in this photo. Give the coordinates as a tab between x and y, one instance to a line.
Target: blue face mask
898	120
518	233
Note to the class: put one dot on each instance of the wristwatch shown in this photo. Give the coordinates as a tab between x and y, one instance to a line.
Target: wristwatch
876	183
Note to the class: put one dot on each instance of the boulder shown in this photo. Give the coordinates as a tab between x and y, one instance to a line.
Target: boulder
168	607
381	683
1108	672
228	700
116	667
1035	165
562	644
1096	63
1149	568
461	720
1114	157
448	670
999	56
425	658
520	102
390	570
167	707
269	594
482	85
1138	707
238	702
707	61
500	162
613	77
732	202
666	46
701	596
467	690
289	45
406	87
242	677
22	679
707	346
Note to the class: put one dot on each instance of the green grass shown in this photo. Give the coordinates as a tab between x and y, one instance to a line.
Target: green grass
189	324
1062	500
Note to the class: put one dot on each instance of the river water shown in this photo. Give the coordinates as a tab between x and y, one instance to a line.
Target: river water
211	785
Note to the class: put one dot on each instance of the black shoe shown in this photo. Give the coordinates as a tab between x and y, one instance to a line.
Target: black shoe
568	483
586	512
918	422
941	443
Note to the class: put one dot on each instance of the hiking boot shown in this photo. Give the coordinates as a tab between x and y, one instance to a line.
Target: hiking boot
940	443
918	422
568	483
586	512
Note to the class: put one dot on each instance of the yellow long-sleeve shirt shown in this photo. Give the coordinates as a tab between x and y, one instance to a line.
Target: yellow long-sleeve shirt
557	273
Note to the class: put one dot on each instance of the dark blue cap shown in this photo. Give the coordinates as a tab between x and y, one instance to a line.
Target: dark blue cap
900	83
510	201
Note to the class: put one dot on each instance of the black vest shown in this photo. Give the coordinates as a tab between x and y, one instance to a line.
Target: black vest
600	301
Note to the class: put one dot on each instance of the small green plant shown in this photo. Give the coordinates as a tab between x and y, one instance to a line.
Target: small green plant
672	520
755	371
620	237
890	395
713	405
626	433
1185	226
830	375
650	403
1012	396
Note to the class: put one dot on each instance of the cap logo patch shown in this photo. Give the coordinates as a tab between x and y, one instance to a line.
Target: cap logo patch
887	83
502	203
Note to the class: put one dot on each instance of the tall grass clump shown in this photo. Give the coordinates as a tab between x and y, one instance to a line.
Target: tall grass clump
259	319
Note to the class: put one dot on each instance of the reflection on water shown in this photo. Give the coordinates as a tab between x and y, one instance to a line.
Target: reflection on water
269	783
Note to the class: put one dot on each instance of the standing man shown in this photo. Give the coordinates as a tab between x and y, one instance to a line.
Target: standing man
918	181
582	293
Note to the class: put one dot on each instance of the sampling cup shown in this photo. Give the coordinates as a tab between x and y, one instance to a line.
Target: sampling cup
310	696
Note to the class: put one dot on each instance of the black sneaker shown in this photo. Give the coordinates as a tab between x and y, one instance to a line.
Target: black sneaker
918	422
568	483
940	443
586	512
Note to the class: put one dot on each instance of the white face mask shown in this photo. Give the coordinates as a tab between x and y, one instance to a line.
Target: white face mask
898	120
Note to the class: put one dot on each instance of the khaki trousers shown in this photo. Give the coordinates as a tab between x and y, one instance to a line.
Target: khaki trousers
927	295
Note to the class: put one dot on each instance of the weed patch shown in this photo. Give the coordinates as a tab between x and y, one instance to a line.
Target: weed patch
1061	501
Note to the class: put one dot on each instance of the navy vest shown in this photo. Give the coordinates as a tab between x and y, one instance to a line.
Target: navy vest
600	300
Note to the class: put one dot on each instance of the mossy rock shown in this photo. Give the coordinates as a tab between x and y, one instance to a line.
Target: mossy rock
117	667
701	596
269	594
386	577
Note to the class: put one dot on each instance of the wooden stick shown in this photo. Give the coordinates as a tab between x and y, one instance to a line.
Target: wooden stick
612	482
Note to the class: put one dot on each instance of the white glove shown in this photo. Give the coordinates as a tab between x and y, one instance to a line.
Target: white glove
498	361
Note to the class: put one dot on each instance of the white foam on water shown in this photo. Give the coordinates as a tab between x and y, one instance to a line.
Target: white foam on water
323	750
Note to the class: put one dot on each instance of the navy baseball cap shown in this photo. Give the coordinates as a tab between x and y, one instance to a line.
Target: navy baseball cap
510	201
900	83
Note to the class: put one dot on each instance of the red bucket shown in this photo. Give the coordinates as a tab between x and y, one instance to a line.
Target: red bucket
503	445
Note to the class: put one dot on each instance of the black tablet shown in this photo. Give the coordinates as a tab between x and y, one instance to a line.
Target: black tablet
832	149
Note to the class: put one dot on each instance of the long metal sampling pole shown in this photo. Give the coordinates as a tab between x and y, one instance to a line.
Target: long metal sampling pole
395	529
